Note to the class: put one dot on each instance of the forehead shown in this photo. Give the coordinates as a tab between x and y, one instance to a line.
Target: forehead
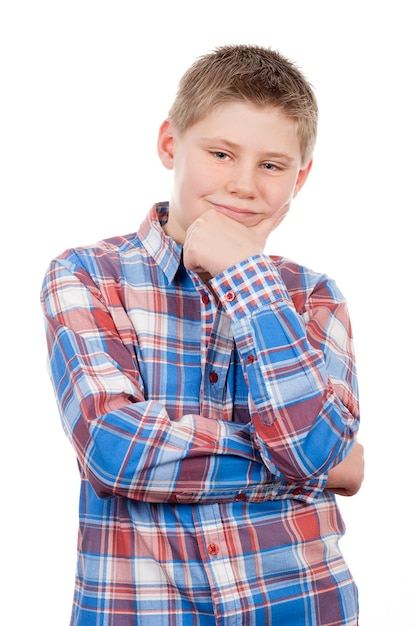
265	128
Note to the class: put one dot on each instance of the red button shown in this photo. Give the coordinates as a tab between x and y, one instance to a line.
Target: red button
205	299
230	296
213	549
250	358
240	497
213	378
297	491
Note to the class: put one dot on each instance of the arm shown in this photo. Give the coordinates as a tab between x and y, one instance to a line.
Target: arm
126	444
346	478
300	368
298	361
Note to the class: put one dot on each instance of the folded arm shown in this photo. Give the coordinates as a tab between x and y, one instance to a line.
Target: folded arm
126	444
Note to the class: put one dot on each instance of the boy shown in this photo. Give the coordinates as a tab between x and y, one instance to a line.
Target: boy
209	390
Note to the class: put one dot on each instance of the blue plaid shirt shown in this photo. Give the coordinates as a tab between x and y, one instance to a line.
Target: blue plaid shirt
204	421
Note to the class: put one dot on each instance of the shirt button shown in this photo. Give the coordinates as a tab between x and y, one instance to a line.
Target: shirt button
240	497
250	358
213	378
205	298
213	549
297	491
230	296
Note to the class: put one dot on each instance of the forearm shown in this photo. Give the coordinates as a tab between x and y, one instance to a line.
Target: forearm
194	459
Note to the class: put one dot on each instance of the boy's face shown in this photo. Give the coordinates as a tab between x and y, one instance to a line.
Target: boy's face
241	160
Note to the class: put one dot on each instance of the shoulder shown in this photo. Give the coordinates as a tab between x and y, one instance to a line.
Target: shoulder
101	258
305	285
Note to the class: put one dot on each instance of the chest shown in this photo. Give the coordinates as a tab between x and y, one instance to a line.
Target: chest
186	353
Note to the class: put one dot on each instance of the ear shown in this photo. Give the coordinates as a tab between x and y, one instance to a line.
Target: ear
302	177
166	144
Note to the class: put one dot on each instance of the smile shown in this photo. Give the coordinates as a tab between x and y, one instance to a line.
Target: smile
234	212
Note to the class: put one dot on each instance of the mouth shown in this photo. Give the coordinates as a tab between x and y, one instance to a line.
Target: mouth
236	213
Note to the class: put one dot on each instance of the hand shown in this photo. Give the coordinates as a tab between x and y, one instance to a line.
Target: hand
346	478
215	242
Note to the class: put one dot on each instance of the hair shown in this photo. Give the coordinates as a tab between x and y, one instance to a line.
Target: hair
251	74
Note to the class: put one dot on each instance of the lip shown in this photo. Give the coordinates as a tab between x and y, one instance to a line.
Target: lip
234	212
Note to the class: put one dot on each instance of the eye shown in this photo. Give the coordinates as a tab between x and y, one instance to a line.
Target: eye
272	167
219	154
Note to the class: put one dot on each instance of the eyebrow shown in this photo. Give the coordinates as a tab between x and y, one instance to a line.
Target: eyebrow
233	146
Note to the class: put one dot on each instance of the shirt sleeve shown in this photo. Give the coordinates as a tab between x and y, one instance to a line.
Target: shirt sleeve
299	367
127	445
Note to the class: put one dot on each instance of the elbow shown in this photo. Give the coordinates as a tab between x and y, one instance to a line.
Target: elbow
302	443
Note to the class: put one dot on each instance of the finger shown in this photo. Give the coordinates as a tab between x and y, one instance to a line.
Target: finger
266	226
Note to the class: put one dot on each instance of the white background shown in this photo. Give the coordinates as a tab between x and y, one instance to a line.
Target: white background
84	87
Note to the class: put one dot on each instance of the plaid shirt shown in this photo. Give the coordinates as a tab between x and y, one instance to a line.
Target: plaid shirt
204	423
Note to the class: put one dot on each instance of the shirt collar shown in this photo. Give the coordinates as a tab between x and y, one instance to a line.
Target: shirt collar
163	249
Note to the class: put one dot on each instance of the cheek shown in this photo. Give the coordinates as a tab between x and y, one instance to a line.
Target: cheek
285	194
193	181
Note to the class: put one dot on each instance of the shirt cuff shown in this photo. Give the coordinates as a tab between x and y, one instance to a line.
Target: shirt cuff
247	287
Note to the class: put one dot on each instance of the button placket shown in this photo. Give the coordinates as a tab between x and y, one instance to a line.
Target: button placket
216	363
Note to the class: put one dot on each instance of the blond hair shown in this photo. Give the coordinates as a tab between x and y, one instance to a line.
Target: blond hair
252	74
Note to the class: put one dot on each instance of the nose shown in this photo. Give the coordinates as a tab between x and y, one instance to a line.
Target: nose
241	181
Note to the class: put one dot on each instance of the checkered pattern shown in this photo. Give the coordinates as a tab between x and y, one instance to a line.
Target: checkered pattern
204	423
